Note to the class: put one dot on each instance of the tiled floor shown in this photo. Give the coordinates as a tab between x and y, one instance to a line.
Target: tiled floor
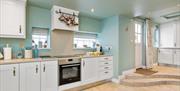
118	87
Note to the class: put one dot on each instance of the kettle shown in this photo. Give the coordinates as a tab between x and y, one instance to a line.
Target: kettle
1	56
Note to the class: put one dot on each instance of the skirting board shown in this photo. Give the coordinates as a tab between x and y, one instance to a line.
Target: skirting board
124	73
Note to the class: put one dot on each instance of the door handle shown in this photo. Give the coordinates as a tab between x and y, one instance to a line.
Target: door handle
37	69
44	69
20	29
14	71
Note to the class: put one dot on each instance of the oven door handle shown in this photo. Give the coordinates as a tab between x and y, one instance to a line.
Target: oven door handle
70	65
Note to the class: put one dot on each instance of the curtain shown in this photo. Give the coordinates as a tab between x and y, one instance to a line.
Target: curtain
151	51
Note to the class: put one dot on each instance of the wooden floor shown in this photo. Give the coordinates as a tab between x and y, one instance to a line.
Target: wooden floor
161	70
118	87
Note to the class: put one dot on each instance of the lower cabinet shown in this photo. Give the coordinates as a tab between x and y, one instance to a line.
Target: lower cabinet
34	76
9	77
169	56
97	69
49	76
177	57
30	76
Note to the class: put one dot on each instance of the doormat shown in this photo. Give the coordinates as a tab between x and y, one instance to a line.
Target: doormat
145	71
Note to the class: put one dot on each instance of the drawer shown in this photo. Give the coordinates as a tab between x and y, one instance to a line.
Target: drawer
106	74
109	67
105	63
108	58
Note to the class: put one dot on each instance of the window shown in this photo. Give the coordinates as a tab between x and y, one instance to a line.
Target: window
138	33
85	40
40	38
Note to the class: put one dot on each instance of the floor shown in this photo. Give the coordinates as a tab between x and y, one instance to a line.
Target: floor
161	70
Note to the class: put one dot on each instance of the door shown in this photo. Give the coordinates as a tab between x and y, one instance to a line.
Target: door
167	33
30	76
9	77
165	56
178	34
138	44
89	70
12	18
49	76
177	57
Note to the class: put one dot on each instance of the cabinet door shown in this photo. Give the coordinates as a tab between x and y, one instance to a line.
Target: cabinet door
165	56
12	18
30	76
9	77
178	34
167	35
177	57
89	70
49	76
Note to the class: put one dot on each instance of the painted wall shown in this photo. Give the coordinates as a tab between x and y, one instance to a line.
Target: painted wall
126	48
40	17
110	37
118	33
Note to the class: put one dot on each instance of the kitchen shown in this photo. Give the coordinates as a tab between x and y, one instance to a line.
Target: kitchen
48	46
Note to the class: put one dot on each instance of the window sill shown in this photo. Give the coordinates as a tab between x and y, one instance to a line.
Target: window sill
44	48
83	48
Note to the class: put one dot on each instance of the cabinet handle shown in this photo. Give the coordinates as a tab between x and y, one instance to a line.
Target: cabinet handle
106	68
175	44
37	69
14	71
106	58
105	63
20	29
106	72
44	69
83	63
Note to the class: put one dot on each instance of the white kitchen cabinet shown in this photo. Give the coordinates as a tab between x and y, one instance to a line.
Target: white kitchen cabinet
165	56
167	35
30	76
49	76
89	70
178	33
13	18
177	57
9	77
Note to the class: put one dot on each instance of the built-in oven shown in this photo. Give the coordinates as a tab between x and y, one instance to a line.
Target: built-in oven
69	70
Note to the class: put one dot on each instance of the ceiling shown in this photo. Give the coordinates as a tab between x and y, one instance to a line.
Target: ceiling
106	8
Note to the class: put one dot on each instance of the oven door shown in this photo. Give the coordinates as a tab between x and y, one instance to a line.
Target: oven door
69	73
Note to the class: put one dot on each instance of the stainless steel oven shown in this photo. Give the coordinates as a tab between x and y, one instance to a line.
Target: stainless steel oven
69	70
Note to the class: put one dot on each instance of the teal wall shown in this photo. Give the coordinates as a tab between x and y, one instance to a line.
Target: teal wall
110	37
114	34
126	48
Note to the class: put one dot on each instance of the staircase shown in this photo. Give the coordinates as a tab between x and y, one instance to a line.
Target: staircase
152	80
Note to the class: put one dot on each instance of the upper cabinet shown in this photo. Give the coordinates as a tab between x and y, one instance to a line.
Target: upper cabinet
64	19
13	18
170	35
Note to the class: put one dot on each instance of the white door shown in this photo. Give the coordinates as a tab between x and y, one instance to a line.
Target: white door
178	34
89	70
138	44
9	77
167	33
165	56
49	76
177	57
30	76
12	18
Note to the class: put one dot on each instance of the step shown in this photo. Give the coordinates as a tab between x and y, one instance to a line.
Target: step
150	82
153	76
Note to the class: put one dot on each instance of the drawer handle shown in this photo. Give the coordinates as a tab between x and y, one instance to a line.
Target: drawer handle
106	68
106	72
106	58
105	63
14	71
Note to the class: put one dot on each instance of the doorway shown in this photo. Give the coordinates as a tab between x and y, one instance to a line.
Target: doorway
138	44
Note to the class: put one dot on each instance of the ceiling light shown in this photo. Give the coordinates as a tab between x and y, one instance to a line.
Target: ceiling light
92	10
172	15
